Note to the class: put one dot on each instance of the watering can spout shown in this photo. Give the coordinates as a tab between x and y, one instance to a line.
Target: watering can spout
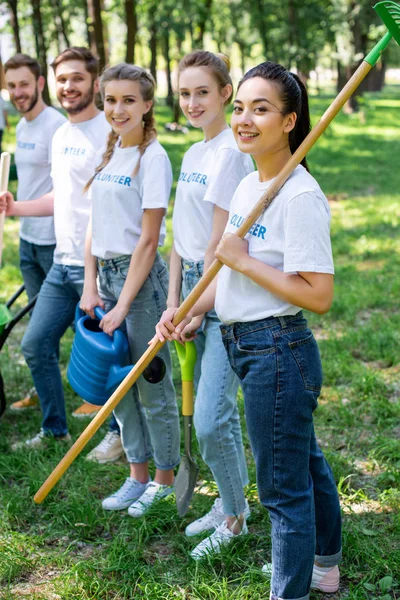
116	375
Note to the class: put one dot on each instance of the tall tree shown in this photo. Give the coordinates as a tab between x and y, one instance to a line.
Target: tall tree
60	30
41	46
202	14
95	22
14	22
132	27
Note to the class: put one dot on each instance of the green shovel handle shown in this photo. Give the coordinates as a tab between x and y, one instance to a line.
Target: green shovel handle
187	355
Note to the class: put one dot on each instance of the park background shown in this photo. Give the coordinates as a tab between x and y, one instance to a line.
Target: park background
68	547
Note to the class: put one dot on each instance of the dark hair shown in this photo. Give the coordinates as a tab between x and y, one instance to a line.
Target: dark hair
23	60
218	64
126	72
78	53
293	95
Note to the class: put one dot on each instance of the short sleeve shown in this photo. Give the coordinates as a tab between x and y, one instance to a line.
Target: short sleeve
52	128
227	172
157	182
307	235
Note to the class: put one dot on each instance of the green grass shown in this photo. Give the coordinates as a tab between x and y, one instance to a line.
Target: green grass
69	548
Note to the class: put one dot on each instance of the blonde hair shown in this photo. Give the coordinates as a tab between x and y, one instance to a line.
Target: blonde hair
124	72
218	64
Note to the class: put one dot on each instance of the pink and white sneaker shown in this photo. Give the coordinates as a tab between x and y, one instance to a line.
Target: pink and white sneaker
325	579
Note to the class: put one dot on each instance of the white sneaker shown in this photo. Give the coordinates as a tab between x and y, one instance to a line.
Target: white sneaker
39	441
131	490
109	450
154	492
222	536
212	519
323	579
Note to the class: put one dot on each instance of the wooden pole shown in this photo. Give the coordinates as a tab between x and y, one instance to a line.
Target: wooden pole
4	174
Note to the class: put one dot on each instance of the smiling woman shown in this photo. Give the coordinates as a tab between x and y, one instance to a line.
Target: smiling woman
210	173
127	226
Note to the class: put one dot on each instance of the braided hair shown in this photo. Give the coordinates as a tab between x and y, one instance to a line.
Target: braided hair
123	72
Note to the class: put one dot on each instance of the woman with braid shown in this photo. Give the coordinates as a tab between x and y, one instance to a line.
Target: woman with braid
130	191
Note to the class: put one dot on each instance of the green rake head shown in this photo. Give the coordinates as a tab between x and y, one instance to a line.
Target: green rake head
389	12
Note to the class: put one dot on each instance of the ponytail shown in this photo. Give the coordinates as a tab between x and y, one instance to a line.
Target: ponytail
303	123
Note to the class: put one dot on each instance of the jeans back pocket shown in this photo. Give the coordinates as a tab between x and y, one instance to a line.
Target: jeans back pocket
306	354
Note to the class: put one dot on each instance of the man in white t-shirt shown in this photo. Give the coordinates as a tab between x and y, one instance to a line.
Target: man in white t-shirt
73	162
34	135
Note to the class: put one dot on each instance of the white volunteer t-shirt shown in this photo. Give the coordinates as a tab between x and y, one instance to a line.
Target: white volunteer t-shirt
33	162
74	161
210	174
118	199
292	235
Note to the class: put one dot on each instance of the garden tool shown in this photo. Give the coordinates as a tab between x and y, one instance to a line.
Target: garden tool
96	364
4	173
186	478
390	15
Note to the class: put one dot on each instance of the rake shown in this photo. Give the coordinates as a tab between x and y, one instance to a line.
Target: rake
389	13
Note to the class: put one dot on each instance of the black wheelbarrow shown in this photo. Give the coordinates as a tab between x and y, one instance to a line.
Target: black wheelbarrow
7	324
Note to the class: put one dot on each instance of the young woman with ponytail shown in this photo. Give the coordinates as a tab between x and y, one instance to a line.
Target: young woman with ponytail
130	191
283	265
210	172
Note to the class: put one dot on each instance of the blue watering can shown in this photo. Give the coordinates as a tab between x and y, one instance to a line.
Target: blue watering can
96	363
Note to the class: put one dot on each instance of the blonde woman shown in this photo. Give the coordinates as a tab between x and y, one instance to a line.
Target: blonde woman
130	191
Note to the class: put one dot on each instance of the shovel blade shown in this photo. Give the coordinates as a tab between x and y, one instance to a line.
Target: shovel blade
185	482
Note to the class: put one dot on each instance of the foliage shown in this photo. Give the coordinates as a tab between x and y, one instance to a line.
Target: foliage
70	549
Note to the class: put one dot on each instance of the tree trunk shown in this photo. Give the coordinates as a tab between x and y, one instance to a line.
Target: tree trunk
242	52
153	46
89	32
61	26
375	79
15	24
106	37
261	27
96	31
204	15
40	42
167	58
131	25
64	28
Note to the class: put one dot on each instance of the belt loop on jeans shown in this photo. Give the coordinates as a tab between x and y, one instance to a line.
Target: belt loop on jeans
282	321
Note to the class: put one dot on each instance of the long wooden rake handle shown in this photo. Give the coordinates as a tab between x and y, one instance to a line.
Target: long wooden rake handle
204	282
4	174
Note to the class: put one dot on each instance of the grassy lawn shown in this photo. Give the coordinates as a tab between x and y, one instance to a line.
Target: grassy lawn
69	548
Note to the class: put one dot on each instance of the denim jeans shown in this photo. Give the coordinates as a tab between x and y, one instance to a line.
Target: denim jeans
35	262
278	363
216	415
53	312
148	414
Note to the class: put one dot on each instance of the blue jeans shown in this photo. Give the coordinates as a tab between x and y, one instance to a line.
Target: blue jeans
53	312
278	363
216	416
35	262
148	414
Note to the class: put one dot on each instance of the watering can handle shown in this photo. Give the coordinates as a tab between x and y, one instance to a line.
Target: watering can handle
187	355
99	312
118	336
